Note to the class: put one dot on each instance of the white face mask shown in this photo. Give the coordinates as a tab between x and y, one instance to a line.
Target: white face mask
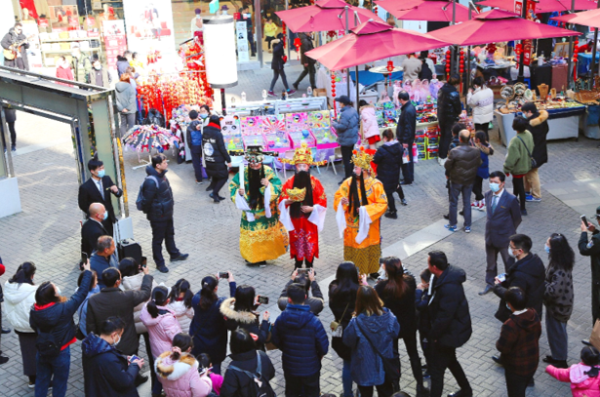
115	343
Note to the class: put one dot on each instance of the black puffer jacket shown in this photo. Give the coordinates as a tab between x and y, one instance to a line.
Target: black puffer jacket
389	160
448	104
462	164
159	200
307	45
238	384
249	321
403	308
407	124
215	153
449	309
528	274
539	129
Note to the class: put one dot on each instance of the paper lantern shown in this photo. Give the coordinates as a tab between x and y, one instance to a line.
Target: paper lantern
219	51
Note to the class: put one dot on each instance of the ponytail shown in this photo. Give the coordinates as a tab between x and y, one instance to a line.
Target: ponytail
160	296
182	286
207	293
24	273
182	342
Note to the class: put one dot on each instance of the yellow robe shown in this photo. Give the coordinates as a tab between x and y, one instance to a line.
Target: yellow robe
366	254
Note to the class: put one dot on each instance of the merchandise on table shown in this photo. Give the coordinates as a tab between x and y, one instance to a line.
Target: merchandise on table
232	132
147	137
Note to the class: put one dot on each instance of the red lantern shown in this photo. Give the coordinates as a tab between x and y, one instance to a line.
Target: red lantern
333	93
390	66
297	44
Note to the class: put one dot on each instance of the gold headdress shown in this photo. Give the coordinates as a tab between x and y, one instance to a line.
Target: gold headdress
302	155
363	158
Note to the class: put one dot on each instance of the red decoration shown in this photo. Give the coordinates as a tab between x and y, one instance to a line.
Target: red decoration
390	66
297	44
333	93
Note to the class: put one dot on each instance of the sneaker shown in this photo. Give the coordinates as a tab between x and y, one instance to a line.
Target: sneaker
527	193
31	385
482	207
163	269
3	360
403	202
13	148
475	204
271	93
295	85
467	229
528	197
524	212
450	228
535	200
181	257
391	215
291	92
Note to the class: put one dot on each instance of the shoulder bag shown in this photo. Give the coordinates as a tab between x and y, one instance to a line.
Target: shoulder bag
337	330
533	162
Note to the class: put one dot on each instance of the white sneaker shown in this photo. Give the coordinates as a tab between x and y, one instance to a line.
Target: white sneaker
443	162
475	204
481	206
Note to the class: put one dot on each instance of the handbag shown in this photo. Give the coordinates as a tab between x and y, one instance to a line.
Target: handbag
337	330
391	366
533	162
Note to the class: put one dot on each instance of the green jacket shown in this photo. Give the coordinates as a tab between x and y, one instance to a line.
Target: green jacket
82	68
517	160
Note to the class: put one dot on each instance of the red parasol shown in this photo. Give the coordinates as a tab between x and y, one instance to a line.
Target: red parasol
586	18
324	15
495	26
372	41
543	6
424	10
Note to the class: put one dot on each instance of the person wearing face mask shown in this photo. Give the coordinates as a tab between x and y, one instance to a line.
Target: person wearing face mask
503	218
98	75
104	256
106	373
93	228
63	70
481	99
526	271
51	317
81	65
98	189
193	137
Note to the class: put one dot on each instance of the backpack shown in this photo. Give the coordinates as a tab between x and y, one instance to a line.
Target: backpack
262	388
195	134
140	202
46	345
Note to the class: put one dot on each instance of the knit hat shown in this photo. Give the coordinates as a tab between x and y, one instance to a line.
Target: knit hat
197	11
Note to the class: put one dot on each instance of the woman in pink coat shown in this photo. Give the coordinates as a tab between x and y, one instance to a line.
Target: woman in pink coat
368	126
583	377
178	372
63	70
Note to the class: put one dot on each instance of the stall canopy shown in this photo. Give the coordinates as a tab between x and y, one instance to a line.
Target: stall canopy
324	15
372	41
495	26
542	6
424	10
587	18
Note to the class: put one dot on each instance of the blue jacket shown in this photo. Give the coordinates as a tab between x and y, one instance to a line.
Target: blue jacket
82	311
208	328
347	127
484	169
302	340
367	367
105	371
99	264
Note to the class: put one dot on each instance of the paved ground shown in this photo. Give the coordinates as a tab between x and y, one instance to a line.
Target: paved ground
47	232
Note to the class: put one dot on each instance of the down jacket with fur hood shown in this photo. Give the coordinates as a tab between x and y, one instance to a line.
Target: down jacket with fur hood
246	320
18	299
161	329
369	126
134	283
180	378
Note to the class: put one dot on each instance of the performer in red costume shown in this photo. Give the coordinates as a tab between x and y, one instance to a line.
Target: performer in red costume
302	208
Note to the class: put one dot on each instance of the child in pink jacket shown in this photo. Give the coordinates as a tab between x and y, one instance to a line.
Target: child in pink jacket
368	126
160	320
583	377
177	370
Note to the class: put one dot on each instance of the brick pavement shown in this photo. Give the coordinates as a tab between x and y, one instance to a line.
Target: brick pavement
47	232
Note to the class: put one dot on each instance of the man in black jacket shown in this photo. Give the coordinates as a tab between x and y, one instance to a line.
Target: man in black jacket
93	228
591	248
193	137
450	324
538	126
308	63
158	205
216	156
97	189
405	133
309	281
15	35
449	109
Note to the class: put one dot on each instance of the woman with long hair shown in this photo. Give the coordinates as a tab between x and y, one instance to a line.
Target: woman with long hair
342	298
558	297
240	312
370	336
180	301
19	296
398	295
208	325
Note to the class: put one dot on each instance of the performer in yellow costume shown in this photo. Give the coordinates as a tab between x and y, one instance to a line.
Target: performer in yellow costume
360	202
255	190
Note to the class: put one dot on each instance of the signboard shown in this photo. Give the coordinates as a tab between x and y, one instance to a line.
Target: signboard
519	7
115	42
241	34
150	27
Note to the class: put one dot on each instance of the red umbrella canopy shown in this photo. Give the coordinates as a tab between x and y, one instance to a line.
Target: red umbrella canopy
586	18
370	42
323	16
495	26
543	6
424	10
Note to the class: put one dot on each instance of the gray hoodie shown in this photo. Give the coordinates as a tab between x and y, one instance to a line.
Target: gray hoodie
126	97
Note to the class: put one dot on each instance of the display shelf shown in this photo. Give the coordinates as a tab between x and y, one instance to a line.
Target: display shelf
70	50
70	39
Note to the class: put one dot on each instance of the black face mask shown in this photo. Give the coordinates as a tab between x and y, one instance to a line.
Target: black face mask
254	185
301	181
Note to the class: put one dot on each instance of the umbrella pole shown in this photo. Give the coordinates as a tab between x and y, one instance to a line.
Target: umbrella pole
520	77
287	33
223	102
594	49
347	69
357	90
570	60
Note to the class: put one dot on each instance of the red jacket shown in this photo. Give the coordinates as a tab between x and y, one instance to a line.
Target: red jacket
64	73
519	342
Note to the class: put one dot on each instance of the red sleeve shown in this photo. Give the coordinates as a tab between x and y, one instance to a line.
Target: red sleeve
2	269
319	196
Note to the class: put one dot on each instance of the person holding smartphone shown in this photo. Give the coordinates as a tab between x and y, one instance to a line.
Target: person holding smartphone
307	278
591	248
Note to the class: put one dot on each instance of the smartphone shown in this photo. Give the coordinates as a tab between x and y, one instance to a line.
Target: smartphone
302	270
144	261
84	257
223	274
132	358
584	219
263	300
502	277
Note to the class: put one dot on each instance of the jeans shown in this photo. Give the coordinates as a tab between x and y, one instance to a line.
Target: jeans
408	169
302	386
443	357
310	70
491	256
483	127
519	190
347	378
516	385
455	190
346	157
251	41
276	74
557	337
163	231
197	163
127	122
531	181
478	188
445	139
47	367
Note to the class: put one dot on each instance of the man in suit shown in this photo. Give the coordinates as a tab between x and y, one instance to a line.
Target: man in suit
97	189
503	218
93	228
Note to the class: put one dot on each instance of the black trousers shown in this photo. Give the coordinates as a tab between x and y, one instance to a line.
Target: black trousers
163	231
516	385
346	157
408	169
251	41
384	390
410	342
13	134
217	184
445	139
390	196
298	264
269	39
478	188
310	70
443	357
483	127
276	74
519	190
197	163
302	386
